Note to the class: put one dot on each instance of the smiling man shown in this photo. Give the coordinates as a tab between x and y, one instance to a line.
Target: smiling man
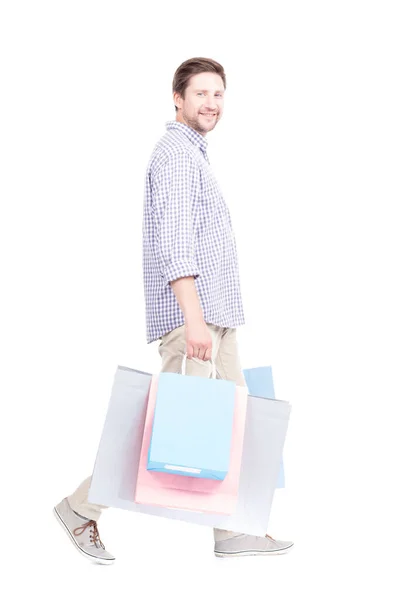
191	279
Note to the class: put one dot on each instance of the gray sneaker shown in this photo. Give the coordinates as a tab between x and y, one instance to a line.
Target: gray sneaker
83	533
250	545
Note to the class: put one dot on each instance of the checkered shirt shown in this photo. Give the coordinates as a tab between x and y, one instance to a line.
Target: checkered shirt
187	230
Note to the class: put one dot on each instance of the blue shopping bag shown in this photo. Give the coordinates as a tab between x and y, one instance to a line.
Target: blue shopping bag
192	426
260	383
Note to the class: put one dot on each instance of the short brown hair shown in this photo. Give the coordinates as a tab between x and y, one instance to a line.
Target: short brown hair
191	67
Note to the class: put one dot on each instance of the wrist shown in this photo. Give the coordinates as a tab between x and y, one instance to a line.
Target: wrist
193	316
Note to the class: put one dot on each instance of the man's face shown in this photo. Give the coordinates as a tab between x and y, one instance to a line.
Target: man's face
203	104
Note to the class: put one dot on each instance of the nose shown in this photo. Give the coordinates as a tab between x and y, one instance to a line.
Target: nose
211	103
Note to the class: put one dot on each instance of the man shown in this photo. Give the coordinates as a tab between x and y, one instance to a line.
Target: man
191	279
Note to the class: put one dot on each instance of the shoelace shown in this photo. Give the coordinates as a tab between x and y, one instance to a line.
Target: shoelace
94	534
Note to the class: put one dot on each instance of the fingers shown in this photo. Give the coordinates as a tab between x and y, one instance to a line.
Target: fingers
208	352
202	352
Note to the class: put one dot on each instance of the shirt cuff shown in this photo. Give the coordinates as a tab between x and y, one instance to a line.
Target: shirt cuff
178	269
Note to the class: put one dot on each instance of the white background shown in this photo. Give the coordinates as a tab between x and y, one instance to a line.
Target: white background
307	155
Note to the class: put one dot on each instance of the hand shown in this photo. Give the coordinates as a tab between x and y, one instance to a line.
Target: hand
198	339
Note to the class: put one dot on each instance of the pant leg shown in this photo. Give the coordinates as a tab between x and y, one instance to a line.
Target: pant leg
228	366
78	501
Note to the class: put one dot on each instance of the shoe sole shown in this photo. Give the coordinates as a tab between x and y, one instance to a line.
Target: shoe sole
101	561
252	553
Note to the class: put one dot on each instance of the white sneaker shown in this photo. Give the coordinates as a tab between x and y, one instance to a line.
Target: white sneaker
250	545
83	533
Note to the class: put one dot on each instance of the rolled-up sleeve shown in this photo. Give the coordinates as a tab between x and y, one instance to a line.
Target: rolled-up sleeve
175	204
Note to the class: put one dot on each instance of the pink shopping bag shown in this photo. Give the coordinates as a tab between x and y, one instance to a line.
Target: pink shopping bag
190	493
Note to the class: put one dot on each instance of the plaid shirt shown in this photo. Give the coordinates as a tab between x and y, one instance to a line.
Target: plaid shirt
187	230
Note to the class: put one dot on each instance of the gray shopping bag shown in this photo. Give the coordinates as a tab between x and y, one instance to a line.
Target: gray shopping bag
116	466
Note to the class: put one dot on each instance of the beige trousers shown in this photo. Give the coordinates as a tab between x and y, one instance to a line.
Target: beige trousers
224	364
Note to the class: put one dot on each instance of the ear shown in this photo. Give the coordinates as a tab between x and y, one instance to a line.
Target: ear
177	99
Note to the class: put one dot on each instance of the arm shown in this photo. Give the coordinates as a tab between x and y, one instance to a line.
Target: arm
188	298
175	208
174	204
198	337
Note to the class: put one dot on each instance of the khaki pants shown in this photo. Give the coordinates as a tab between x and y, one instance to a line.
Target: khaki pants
172	349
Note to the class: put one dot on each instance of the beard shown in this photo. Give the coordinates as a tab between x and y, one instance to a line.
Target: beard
197	123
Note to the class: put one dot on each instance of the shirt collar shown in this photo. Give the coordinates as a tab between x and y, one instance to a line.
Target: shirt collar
194	136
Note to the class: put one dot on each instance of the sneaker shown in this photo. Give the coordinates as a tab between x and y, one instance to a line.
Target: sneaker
83	533
250	545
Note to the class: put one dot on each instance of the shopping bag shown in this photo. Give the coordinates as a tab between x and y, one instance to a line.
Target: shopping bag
191	431
186	492
117	460
260	383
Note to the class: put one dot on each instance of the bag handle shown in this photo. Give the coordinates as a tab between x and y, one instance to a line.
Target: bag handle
210	360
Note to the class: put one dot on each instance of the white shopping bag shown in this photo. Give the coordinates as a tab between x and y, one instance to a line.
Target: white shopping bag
116	466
